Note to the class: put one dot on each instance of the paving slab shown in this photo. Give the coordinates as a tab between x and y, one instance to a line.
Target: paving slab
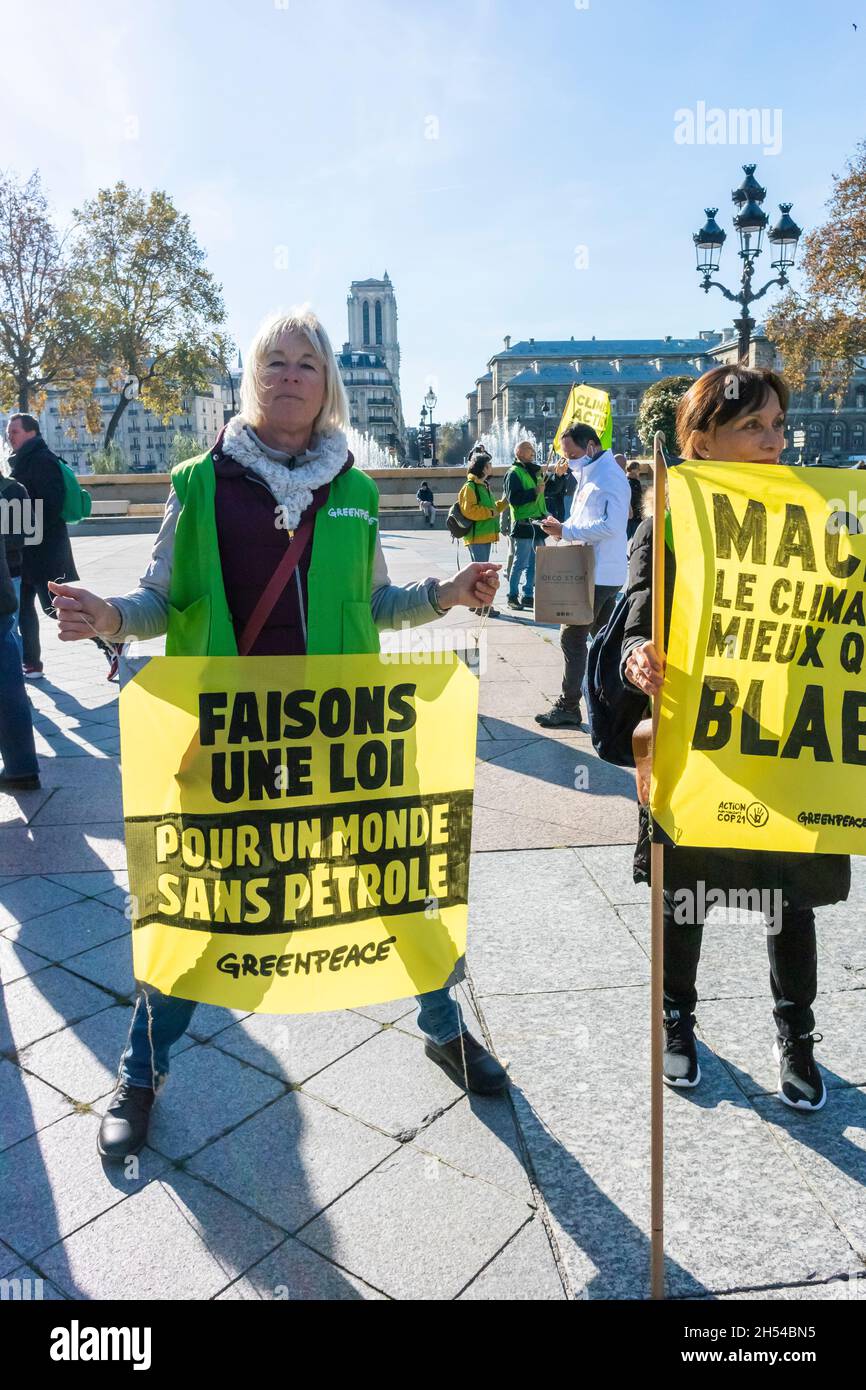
35	1287
94	884
45	1003
122	1254
98	846
27	1104
210	1019
611	867
292	1159
388	1082
23	898
295	1048
81	1061
208	1093
581	942
21	807
389	1012
496	831
109	965
70	931
54	1182
297	1273
16	961
524	1271
442	1227
478	1136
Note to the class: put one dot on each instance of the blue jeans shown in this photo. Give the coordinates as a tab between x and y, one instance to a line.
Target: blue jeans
16	631
523	565
480	550
439	1016
17	747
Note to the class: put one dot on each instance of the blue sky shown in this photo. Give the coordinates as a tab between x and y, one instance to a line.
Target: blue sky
306	125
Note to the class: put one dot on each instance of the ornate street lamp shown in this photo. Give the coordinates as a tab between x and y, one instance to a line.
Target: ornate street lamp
750	223
430	402
546	413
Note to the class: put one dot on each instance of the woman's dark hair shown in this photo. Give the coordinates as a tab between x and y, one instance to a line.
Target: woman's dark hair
721	395
478	461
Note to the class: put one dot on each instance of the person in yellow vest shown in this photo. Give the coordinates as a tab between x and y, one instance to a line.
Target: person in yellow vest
279	469
479	506
524	491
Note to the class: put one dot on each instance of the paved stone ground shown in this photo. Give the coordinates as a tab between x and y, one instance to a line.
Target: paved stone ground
324	1156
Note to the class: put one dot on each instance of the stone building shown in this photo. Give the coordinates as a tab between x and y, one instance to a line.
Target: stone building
528	382
370	364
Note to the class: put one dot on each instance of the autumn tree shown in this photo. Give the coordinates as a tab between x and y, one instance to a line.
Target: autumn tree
43	320
156	309
451	443
658	410
825	322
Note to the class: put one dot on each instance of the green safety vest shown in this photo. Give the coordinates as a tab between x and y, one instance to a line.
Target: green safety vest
528	510
339	581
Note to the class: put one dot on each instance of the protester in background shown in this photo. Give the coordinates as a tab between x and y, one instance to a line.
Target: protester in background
479	506
427	503
743	425
13	500
216	554
632	474
37	469
598	517
559	486
524	492
17	748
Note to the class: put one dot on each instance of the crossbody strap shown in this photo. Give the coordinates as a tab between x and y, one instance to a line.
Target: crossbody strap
275	587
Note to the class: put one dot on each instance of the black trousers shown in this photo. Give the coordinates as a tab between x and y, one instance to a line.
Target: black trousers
28	619
572	640
793	956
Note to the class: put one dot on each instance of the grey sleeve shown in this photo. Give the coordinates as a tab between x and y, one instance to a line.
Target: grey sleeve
144	611
396	605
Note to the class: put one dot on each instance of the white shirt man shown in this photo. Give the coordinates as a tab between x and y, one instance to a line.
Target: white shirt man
598	517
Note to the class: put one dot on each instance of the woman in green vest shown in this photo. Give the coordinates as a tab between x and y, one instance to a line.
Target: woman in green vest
280	474
478	504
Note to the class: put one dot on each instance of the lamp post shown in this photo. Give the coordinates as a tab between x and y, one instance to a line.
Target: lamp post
422	439
546	413
750	223
430	402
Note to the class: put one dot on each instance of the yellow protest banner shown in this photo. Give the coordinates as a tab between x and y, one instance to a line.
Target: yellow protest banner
762	732
298	828
587	406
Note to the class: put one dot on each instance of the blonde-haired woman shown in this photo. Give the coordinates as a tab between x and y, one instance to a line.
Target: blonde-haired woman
280	469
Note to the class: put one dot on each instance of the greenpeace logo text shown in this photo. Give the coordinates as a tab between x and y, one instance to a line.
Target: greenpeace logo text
77	1343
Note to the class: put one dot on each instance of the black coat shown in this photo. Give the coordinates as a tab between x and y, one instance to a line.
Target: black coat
805	880
8	596
14	494
37	468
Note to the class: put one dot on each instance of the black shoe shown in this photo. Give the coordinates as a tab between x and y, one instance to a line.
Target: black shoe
801	1084
469	1063
528	603
19	784
124	1127
515	603
680	1066
560	716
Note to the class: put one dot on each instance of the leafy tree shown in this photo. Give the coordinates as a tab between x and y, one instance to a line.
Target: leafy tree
826	321
108	460
183	446
451	443
658	410
155	307
43	337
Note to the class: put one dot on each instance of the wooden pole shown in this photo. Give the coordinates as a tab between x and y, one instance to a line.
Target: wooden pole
657	1149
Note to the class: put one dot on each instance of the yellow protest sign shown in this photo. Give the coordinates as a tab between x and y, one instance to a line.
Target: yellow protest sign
587	406
298	828
762	732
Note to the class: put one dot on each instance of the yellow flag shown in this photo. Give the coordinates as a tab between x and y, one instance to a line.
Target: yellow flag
587	406
762	733
298	828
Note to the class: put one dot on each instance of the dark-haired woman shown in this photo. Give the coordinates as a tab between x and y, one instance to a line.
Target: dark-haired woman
477	502
743	425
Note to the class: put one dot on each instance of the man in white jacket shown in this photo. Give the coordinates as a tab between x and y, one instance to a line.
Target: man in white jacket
598	517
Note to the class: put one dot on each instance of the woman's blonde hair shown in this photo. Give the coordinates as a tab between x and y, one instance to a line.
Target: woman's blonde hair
334	414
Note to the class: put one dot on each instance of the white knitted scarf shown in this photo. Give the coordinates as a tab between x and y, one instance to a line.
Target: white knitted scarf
292	487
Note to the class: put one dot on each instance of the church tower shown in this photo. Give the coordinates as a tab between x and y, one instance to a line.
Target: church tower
373	322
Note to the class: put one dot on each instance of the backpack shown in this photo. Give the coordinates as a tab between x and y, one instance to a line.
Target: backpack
458	524
77	504
614	707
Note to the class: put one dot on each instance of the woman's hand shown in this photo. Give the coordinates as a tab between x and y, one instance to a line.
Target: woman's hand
645	669
474	587
81	613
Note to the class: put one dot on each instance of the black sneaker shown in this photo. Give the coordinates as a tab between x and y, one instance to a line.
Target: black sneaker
528	603
124	1126
515	603
801	1084
560	716
469	1063
680	1066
